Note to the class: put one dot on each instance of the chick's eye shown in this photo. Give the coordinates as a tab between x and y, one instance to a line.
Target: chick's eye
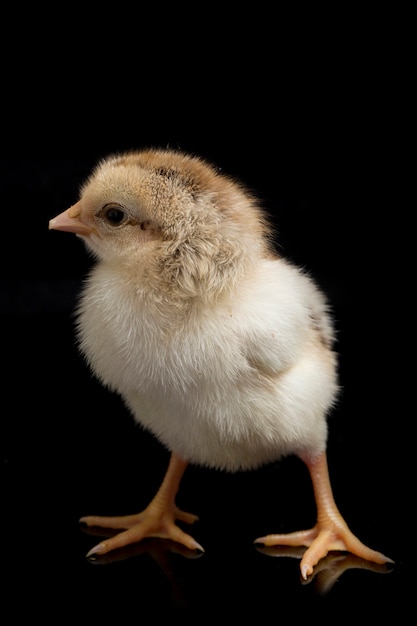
114	215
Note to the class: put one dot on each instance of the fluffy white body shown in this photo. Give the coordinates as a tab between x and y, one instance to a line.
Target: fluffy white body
232	385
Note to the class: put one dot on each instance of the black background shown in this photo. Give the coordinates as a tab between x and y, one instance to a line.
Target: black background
314	121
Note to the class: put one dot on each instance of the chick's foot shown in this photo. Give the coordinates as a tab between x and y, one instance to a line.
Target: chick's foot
323	538
152	522
330	532
157	520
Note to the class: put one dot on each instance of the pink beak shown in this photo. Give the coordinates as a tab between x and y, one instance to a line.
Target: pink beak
70	221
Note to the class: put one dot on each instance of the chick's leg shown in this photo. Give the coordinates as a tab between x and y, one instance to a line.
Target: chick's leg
330	531
157	520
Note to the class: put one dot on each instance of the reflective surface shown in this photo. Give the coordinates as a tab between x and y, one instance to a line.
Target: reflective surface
70	448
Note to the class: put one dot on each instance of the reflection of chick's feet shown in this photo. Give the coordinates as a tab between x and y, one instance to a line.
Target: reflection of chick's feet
329	569
157	520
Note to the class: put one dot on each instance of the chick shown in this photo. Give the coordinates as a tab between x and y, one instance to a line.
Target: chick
218	346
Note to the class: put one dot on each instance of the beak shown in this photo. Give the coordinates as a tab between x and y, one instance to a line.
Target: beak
70	221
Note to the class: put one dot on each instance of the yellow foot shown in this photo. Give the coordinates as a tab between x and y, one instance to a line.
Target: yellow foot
320	540
152	522
329	569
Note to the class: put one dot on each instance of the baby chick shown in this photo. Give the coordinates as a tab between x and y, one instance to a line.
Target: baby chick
217	345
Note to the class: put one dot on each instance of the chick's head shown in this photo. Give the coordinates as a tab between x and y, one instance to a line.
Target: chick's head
171	212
